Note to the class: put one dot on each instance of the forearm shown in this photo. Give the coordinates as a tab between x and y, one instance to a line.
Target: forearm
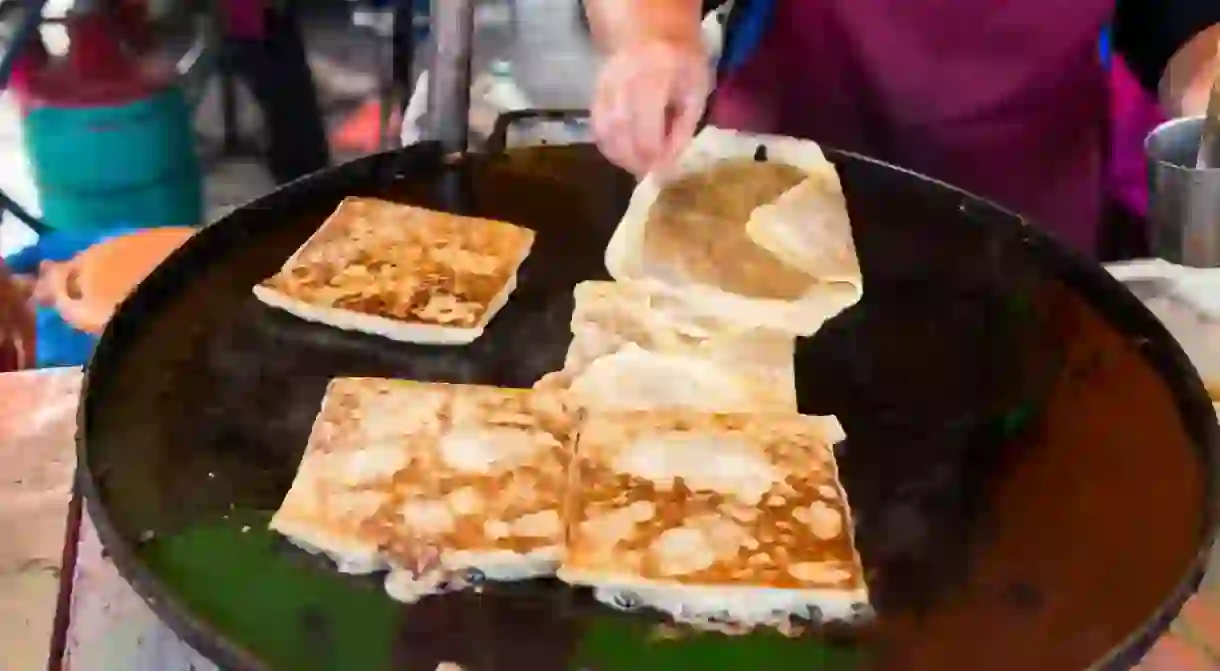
1168	43
1188	77
619	22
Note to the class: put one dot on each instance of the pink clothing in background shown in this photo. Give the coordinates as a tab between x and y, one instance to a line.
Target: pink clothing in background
245	19
947	89
1134	113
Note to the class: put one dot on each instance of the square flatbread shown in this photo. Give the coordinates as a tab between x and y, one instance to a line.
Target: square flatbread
401	272
734	518
357	446
751	228
632	350
432	480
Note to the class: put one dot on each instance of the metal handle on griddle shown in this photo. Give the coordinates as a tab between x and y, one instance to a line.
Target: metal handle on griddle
497	142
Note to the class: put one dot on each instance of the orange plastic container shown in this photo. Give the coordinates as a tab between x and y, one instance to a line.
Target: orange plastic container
87	289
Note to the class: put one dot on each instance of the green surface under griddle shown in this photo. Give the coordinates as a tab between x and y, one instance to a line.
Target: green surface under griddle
234	573
242	579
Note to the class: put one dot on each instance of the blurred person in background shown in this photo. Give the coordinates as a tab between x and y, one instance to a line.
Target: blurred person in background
262	39
1134	112
261	44
1005	98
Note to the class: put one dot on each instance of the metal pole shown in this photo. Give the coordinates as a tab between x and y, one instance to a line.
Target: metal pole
449	77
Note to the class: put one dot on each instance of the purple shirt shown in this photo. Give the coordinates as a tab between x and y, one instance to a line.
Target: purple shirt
1134	113
1004	98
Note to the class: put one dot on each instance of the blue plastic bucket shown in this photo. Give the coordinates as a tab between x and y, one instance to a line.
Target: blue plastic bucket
130	165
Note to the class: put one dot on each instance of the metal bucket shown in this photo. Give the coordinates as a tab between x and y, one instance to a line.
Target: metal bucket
1184	202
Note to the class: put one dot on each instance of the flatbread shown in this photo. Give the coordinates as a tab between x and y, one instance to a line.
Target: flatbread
632	351
350	461
758	247
402	272
610	315
432	481
713	517
635	378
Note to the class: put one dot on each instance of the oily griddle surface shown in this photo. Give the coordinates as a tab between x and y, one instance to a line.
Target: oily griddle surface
1025	489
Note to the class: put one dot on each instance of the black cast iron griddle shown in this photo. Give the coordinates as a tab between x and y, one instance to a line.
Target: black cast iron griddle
1031	458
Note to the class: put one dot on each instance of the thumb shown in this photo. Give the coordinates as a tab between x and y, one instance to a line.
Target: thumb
684	121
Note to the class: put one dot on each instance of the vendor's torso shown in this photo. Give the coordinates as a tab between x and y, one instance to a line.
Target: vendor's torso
1005	98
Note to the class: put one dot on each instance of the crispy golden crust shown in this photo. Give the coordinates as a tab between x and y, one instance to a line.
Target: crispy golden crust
405	263
455	468
694	499
349	461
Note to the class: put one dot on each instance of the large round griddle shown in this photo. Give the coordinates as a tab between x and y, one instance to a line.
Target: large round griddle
1031	459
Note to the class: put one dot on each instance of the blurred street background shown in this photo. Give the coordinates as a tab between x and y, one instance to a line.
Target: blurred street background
538	50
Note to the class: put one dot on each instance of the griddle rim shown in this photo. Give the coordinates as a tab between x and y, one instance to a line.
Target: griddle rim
1110	297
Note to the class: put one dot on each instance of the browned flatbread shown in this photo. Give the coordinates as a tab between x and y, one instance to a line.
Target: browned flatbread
725	516
759	244
402	272
418	476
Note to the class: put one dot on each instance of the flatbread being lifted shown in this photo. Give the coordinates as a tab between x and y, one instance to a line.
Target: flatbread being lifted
432	481
750	228
402	272
736	518
631	350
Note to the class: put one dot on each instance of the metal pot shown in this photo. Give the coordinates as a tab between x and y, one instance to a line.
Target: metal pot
1184	201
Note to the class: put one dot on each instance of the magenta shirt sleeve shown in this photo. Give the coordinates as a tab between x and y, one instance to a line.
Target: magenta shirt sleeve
1134	113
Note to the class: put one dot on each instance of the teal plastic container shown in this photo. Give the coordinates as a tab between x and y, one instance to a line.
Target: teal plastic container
124	165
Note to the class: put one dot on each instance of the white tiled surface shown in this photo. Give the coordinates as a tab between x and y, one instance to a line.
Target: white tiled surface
37	462
112	628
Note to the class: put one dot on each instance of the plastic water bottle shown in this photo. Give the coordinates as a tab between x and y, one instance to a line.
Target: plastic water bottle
502	92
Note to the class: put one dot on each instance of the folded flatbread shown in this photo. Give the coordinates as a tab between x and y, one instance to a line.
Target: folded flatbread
713	517
750	228
631	350
432	481
401	272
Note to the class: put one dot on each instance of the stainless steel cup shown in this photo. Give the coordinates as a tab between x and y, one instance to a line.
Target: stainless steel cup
1184	202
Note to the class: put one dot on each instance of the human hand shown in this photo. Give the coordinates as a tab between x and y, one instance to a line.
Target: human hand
1197	96
1187	83
649	99
16	323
